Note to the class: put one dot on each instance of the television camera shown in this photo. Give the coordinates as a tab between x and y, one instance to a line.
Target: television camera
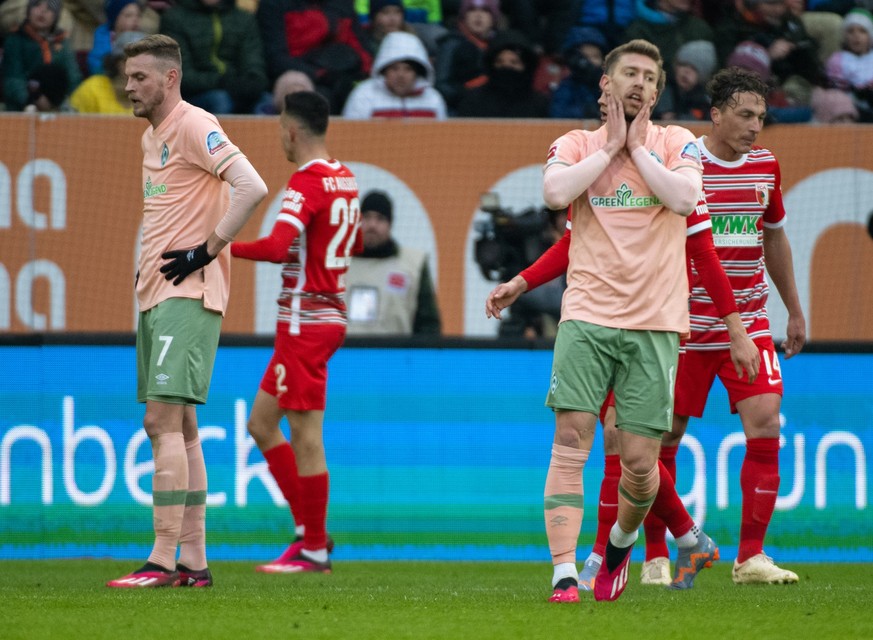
510	241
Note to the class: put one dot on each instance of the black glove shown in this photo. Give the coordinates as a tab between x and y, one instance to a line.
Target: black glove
184	262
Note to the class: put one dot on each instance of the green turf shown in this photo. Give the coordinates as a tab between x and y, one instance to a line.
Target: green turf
387	600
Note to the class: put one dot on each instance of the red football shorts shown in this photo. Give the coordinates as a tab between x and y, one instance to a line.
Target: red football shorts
609	402
697	371
297	373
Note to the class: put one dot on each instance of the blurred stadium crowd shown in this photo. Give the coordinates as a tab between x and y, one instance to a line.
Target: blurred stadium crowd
440	58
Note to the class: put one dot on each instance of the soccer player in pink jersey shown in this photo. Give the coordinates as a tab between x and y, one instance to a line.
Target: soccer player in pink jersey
188	163
742	183
314	237
697	550
631	184
668	510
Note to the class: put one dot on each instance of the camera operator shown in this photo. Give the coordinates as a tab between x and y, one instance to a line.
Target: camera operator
389	289
509	243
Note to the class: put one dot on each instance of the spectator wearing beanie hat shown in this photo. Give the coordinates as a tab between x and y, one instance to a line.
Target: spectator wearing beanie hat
489	6
105	92
831	106
700	55
389	289
460	59
78	18
121	16
794	58
684	96
386	16
576	95
415	11
852	68
37	42
378	202
753	57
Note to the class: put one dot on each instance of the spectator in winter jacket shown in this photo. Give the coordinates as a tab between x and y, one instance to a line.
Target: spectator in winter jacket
221	55
545	23
610	17
852	68
386	16
459	62
576	95
121	16
754	57
670	25
106	92
401	85
510	64
321	38
684	96
833	106
38	67
794	60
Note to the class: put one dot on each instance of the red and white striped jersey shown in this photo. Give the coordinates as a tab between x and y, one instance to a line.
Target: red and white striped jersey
743	197
321	202
314	236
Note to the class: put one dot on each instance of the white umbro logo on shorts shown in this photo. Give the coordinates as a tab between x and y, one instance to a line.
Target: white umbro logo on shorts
162	378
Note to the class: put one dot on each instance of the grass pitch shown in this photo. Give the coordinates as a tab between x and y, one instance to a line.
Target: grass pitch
387	600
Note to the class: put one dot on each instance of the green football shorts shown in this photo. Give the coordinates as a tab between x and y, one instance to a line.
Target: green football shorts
176	343
640	366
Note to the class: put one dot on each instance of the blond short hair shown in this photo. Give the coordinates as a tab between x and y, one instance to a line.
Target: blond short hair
640	47
163	48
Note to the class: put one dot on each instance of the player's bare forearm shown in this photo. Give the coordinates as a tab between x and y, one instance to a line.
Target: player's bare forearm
744	352
780	267
215	243
503	295
795	335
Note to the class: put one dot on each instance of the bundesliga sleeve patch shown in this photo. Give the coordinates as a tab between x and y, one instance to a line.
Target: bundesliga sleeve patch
552	155
215	142
691	152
